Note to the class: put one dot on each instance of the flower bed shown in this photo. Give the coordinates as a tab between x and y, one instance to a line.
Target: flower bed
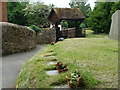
60	67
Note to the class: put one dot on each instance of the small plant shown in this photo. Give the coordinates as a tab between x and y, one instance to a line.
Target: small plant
64	24
60	67
35	28
74	80
82	25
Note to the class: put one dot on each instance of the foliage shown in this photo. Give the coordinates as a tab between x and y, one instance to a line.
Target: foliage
115	7
82	25
87	79
64	24
27	14
16	14
35	28
100	18
37	14
73	80
86	9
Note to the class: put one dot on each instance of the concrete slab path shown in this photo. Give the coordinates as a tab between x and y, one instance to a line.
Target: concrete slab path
12	64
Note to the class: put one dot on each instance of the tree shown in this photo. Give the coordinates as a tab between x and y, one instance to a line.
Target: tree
115	7
37	14
100	18
16	14
51	6
85	9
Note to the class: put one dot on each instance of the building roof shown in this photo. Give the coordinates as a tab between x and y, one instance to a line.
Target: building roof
58	14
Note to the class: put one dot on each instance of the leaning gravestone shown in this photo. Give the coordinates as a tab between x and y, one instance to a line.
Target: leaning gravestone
115	26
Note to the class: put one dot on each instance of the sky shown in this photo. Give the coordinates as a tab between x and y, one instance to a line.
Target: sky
65	3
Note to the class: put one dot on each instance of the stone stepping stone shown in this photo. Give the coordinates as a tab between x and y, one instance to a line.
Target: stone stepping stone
62	86
52	72
51	63
50	56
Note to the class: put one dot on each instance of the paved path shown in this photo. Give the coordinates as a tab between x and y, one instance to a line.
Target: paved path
12	64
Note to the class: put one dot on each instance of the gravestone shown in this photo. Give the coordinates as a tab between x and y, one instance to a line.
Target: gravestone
115	26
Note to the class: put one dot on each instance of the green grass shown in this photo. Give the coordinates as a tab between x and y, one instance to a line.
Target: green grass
90	34
96	54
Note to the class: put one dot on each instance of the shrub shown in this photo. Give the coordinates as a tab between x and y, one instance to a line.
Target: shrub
100	18
64	24
35	28
82	25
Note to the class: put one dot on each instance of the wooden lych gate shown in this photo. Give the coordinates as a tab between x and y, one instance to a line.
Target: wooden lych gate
58	14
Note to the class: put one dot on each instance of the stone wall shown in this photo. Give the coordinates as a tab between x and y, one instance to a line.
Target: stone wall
71	33
46	36
68	33
115	26
16	38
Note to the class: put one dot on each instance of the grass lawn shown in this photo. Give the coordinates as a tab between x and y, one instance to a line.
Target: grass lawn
96	54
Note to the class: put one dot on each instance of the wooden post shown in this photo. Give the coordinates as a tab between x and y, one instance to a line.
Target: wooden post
56	25
57	31
3	12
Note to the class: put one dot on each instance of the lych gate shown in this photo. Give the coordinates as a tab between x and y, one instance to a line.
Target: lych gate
58	14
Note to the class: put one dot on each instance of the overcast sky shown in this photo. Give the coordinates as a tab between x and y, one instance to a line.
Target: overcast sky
65	3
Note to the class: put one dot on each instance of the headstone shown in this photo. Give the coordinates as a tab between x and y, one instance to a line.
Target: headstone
115	26
3	12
